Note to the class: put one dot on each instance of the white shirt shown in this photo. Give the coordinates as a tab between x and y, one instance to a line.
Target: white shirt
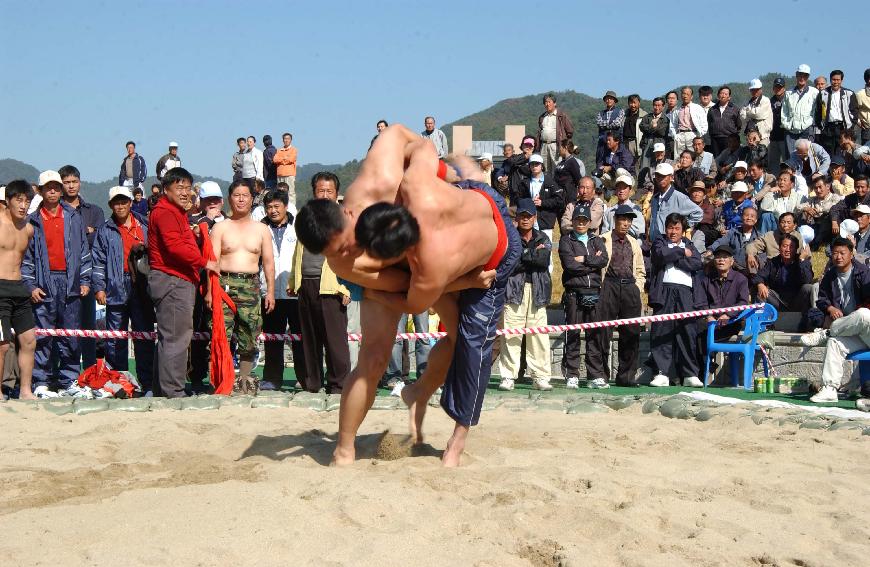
548	128
835	113
674	275
34	204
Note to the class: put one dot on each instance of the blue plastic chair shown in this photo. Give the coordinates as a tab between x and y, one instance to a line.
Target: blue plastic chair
863	358
756	321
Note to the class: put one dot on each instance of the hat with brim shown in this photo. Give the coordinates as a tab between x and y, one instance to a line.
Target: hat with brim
658	147
664	169
485	156
581	211
49	176
624	180
122	192
210	189
739	187
861	209
698	185
526	206
528	141
754	84
610	94
741	165
535	158
624	211
723	250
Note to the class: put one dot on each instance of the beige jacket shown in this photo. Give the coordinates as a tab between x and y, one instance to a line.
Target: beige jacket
769	245
637	260
328	280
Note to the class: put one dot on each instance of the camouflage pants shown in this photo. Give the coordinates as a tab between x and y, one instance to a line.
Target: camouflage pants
246	322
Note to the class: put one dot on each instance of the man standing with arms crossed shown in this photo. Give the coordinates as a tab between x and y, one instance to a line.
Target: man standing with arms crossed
240	244
15	307
285	160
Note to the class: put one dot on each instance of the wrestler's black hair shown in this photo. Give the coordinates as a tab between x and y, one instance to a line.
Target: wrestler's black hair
69	170
317	222
385	230
840	241
676	218
382	121
276	196
19	187
175	175
239	183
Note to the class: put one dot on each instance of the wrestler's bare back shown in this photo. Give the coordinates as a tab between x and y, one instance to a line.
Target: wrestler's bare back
14	238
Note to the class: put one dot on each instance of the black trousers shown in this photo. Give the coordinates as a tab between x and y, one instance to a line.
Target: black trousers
718	144
617	301
200	350
324	332
575	313
794	300
830	137
720	334
284	316
824	232
673	344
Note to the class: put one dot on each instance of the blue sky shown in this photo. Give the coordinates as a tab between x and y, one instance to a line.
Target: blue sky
81	78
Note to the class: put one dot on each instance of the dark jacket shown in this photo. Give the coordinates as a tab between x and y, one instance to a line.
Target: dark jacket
657	134
843	210
564	127
92	216
140	207
109	260
750	154
586	274
140	171
270	171
534	261
784	279
661	255
734	239
552	201
683	178
517	169
733	290
848	107
567	174
829	289
621	158
34	269
777	134
723	124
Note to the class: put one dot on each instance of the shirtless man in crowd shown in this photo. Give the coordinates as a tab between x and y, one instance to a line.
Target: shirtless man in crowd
16	312
448	252
241	245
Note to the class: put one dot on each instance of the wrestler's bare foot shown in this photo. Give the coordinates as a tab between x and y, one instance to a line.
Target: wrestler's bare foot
343	457
455	447
416	412
26	395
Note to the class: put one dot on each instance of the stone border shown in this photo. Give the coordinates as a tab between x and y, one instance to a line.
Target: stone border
675	406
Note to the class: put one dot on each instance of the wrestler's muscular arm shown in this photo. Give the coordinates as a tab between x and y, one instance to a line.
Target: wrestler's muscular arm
268	259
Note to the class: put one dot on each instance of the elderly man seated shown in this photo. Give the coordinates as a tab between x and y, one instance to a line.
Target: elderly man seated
844	289
785	281
811	158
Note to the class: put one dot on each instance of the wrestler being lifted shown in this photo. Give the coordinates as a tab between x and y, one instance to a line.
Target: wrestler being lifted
411	249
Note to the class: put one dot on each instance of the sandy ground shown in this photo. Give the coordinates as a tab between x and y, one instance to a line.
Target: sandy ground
250	487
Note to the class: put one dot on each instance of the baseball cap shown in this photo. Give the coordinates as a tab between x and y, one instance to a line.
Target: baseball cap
724	249
739	187
741	165
837	159
485	156
173	144
581	211
526	206
536	159
779	82
848	227
664	169
210	189
803	68
48	176
658	147
528	140
624	211
862	208
624	179
755	84
119	191
698	185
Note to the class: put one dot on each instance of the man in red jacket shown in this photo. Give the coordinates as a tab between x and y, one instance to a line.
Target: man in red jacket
175	264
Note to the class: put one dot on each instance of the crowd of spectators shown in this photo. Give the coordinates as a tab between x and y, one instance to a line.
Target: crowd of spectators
688	205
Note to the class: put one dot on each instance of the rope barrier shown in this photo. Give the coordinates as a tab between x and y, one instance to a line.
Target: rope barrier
547	329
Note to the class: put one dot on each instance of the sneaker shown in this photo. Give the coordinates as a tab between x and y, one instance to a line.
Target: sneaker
43	393
572	383
506	385
692	382
397	389
815	338
827	395
598	384
541	384
863	404
76	391
660	381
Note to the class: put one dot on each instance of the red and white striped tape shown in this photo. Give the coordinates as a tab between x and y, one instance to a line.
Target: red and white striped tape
548	329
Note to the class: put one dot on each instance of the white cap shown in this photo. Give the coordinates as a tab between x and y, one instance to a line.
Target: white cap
741	165
664	169
536	159
485	156
807	233
803	68
119	191
755	84
173	144
739	187
210	189
47	177
658	147
624	179
862	208
848	227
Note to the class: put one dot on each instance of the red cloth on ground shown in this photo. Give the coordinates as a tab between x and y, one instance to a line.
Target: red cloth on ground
52	227
99	376
221	369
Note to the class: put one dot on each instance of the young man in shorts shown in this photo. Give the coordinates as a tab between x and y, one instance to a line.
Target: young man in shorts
16	313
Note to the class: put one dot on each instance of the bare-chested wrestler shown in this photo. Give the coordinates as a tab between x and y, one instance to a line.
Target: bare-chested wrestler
241	245
460	235
16	311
